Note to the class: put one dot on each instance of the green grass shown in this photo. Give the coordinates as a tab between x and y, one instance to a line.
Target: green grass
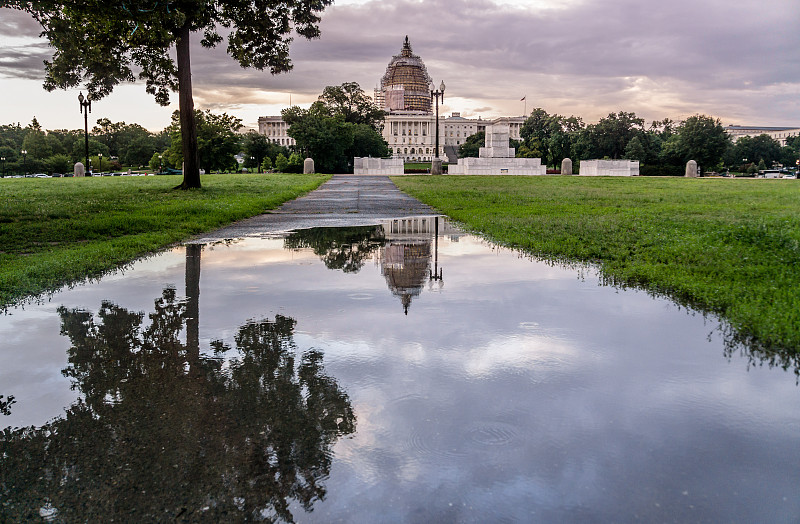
729	247
62	230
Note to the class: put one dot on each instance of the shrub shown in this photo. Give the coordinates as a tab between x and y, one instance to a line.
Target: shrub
649	170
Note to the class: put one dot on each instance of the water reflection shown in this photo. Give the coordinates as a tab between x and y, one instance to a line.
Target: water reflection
518	389
164	433
756	354
345	248
403	248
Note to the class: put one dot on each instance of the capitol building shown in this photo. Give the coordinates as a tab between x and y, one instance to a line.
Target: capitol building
409	127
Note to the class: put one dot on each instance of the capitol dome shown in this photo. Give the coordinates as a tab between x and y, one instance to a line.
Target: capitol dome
405	86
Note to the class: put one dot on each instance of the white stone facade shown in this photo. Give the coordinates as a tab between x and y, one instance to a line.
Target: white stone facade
276	130
497	166
776	133
377	166
457	128
412	136
609	168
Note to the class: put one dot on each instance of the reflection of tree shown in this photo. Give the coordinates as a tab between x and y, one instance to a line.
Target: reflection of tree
164	433
758	354
344	248
5	405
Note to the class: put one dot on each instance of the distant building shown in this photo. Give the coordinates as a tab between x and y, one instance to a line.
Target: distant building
777	133
276	130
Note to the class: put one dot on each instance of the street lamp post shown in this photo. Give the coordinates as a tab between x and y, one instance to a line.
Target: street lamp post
24	164
4	165
85	103
436	274
160	163
100	160
436	163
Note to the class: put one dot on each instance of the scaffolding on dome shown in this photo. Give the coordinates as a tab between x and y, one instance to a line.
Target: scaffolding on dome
406	84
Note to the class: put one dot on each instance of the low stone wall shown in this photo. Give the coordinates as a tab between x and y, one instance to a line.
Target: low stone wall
497	166
377	166
609	168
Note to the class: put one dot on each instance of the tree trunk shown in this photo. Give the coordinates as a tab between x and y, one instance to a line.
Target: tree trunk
191	168
192	281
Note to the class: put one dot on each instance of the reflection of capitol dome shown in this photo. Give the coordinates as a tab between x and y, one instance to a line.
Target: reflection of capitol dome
405	86
405	268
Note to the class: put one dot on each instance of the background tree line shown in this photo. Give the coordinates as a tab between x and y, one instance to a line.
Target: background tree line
663	147
124	146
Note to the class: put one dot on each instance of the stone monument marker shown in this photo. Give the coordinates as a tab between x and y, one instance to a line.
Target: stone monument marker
497	158
691	169
436	166
308	166
79	169
566	166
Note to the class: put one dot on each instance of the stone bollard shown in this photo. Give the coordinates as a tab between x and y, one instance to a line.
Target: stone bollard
436	166
691	169
79	169
566	166
308	166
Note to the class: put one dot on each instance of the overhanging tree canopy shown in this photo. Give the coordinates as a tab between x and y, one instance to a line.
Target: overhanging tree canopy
100	43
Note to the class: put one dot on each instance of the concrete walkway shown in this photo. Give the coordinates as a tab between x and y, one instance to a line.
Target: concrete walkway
344	200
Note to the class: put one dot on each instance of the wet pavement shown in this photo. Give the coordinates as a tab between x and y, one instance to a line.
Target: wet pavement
344	200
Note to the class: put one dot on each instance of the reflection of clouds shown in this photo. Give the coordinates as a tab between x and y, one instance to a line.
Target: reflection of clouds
518	387
527	352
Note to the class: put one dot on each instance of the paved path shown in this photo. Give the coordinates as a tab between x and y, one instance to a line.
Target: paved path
344	200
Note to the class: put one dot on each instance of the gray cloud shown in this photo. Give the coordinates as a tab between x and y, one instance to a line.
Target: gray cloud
670	59
24	62
737	60
22	53
15	23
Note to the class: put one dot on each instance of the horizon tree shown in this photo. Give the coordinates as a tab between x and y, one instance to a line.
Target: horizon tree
703	139
101	44
353	104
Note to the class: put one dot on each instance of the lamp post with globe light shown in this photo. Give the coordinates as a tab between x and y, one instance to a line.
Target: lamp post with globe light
4	165
85	104
24	165
100	161
436	163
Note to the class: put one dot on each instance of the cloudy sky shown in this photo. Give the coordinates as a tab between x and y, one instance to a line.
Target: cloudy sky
738	61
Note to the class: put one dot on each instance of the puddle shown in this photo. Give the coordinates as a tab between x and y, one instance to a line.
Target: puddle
384	374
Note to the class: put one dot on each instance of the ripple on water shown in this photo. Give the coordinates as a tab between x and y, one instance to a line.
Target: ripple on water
360	296
430	440
493	434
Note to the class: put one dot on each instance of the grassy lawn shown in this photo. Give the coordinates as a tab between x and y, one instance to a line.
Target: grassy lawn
725	246
61	230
